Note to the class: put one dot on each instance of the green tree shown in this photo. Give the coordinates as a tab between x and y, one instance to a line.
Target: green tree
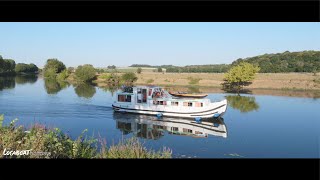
54	64
26	68
50	73
113	80
159	69
10	64
70	70
1	64
139	70
63	75
7	65
129	78
239	76
112	67
33	68
85	73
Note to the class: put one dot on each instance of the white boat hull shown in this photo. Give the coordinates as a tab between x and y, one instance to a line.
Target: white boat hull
215	109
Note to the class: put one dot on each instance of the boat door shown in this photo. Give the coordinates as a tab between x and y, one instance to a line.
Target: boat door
141	95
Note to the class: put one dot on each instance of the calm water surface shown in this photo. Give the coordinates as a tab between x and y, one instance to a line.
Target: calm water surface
257	126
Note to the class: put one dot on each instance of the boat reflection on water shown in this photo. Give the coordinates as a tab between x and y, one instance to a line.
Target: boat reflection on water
150	127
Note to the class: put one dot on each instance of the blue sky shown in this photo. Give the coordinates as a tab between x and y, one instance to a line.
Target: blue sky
176	43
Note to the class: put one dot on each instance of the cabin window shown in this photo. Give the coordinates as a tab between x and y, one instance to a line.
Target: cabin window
160	102
141	95
174	103
199	104
174	129
124	98
187	104
185	130
150	91
144	95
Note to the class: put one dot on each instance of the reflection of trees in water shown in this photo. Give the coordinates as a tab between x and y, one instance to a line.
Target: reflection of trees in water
53	86
316	95
26	79
243	103
7	82
85	90
111	89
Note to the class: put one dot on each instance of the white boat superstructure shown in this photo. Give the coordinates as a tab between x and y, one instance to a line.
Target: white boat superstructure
154	100
152	128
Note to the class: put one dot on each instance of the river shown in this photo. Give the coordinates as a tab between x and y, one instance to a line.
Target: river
254	126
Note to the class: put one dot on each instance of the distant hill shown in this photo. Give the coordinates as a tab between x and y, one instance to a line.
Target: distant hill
305	61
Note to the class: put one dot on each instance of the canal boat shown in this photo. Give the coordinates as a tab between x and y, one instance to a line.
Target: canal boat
154	100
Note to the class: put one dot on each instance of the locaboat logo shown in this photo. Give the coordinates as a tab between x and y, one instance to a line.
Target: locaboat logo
24	153
17	152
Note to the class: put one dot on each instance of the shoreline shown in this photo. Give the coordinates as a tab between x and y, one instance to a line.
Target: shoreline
307	93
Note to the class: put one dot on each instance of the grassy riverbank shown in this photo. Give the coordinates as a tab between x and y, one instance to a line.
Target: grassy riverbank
53	143
278	81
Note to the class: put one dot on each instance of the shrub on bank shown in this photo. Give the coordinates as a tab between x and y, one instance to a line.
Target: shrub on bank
56	144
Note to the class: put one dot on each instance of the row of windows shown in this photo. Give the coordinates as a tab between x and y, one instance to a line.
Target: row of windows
175	103
196	104
160	102
127	98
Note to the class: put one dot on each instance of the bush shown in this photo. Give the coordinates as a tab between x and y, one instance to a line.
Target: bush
50	73
150	81
159	69
85	73
113	80
194	81
70	70
63	75
139	70
129	78
56	144
111	67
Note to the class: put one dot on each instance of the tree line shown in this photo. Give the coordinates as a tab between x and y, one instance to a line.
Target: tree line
304	61
9	66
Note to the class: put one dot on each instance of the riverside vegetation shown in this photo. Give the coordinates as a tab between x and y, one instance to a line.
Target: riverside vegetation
293	71
56	144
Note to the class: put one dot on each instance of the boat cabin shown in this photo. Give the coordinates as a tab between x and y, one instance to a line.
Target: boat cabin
154	95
